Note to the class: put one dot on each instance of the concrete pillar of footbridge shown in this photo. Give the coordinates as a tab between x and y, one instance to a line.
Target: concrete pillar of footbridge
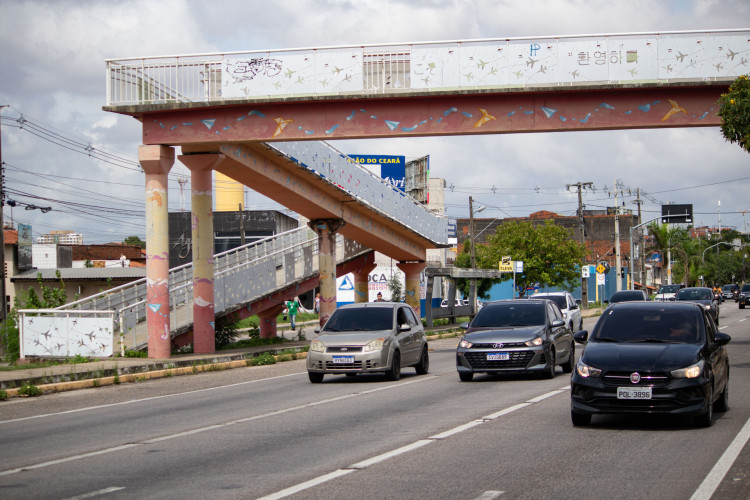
201	167
268	321
411	285
326	230
156	162
361	282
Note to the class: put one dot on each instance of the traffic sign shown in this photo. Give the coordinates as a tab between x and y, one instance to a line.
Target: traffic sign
602	267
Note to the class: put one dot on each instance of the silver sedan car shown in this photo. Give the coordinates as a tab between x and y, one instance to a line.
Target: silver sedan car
369	337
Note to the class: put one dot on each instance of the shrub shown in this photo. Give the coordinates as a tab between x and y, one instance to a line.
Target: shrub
3	395
734	110
29	389
226	331
263	359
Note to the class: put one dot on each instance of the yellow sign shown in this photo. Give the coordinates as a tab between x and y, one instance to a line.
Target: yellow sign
505	261
601	269
505	268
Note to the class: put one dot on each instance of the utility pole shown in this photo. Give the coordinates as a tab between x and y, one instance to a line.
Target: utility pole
642	253
618	259
3	311
473	283
582	236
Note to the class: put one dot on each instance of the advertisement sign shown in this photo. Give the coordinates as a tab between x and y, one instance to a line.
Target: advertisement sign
392	168
24	247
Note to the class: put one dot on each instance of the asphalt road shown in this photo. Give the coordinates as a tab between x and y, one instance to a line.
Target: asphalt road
267	432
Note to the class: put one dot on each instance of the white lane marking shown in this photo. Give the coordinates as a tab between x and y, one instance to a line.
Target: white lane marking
545	396
417	444
67	459
110	405
393	453
97	493
720	469
489	495
211	427
307	484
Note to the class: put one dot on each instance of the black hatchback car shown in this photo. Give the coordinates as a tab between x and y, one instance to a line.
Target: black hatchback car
516	335
652	357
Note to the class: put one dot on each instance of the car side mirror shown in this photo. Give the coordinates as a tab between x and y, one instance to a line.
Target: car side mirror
464	326
722	339
581	336
557	323
317	329
404	327
574	306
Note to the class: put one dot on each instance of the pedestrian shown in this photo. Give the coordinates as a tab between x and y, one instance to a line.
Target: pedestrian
316	307
380	298
292	306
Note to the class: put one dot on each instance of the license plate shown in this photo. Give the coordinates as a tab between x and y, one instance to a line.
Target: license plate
343	359
500	356
633	393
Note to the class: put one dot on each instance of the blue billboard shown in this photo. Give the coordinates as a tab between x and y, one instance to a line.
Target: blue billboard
392	168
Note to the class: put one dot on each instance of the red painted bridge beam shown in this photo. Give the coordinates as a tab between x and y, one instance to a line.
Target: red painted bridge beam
563	109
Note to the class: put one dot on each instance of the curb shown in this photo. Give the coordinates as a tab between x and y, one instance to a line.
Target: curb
147	375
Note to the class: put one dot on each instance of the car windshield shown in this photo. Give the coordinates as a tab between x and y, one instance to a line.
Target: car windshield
360	319
694	294
649	325
510	314
669	289
626	296
746	288
728	288
557	299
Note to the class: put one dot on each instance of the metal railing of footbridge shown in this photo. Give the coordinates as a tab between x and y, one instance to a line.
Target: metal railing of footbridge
360	70
240	276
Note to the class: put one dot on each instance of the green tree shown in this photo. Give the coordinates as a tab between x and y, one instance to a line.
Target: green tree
734	110
550	256
396	289
134	241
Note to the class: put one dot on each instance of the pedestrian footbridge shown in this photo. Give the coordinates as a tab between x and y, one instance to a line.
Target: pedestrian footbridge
261	118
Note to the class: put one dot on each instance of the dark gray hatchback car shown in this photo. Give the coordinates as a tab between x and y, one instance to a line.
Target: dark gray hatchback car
528	336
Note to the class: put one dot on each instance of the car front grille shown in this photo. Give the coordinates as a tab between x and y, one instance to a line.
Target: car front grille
614	405
330	365
622	379
499	345
344	348
518	359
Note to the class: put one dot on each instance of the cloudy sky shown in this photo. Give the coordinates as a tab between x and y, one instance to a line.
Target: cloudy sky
63	152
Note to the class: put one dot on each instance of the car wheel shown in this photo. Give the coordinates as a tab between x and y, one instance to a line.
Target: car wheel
567	367
580	419
315	378
706	419
395	372
717	320
424	362
549	372
466	376
722	404
742	306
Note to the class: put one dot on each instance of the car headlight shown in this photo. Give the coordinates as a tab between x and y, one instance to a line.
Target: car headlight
586	371
534	342
375	345
465	344
317	346
691	371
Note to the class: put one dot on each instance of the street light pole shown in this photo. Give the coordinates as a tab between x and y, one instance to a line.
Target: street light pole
632	271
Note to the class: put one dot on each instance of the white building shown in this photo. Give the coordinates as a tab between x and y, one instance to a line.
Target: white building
61	238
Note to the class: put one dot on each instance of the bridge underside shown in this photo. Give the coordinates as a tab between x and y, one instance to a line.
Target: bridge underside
264	171
491	112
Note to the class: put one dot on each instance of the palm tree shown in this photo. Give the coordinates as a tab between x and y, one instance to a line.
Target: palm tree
668	238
